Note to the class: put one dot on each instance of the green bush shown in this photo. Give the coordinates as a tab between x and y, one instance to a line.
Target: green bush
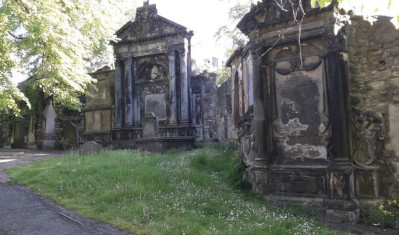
384	215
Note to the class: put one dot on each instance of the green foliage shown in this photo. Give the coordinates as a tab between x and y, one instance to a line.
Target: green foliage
223	74
384	215
58	42
62	144
230	33
177	192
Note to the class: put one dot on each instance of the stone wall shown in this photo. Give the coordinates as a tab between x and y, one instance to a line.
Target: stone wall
204	106
98	111
374	93
224	111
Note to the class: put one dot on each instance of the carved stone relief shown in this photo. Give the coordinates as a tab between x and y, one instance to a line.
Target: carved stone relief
368	133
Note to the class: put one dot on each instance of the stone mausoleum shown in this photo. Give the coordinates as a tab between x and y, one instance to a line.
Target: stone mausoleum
151	89
316	118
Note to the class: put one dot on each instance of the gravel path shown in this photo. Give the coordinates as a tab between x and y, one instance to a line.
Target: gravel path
22	211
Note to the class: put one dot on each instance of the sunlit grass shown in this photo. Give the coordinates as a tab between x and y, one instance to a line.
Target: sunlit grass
178	192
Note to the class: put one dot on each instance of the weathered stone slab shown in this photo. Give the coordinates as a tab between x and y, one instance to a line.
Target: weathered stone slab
71	134
90	148
150	126
156	103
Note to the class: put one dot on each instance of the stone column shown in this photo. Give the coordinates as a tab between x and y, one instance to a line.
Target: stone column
338	111
184	88
172	88
118	94
136	97
128	92
260	117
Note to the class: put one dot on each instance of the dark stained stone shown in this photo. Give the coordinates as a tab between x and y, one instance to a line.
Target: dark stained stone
90	148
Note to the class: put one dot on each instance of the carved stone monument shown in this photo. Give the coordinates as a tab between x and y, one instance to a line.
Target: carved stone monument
49	126
296	144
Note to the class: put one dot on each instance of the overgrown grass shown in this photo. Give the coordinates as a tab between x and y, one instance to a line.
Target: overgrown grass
179	192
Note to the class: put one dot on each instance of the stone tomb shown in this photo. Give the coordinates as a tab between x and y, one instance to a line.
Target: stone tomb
295	142
152	75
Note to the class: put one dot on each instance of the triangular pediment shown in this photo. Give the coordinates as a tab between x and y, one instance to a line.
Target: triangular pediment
148	24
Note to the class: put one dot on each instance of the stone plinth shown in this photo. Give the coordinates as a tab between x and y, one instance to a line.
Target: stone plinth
163	144
150	126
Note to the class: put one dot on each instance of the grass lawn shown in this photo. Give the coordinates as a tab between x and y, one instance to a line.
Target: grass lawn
174	193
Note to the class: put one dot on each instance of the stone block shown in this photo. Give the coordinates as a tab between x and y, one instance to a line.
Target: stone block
150	126
90	148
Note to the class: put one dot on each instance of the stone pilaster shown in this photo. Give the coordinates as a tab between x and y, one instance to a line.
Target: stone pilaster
136	97
172	88
118	94
260	116
128	92
184	88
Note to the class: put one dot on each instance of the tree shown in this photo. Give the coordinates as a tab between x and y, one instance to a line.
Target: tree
57	42
230	33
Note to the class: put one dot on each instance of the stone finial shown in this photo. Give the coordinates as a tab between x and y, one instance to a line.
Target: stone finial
146	3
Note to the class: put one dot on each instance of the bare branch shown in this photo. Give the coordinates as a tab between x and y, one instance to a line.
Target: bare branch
275	43
15	36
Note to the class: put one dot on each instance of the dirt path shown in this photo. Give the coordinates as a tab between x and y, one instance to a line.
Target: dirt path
13	157
22	211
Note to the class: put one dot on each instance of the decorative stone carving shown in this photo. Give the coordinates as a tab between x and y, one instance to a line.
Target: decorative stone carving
368	134
246	138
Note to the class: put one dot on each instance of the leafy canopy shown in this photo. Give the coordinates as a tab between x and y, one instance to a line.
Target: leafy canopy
57	42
